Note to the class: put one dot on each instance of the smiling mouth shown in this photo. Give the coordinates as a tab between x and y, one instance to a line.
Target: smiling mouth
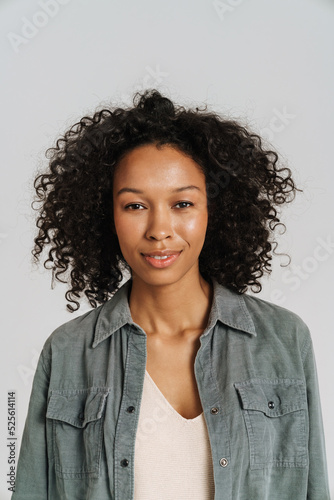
161	261
160	256
161	253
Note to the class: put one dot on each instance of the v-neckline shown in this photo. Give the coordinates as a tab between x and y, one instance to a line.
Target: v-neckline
168	403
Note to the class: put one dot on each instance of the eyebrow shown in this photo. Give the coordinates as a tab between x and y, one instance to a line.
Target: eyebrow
137	191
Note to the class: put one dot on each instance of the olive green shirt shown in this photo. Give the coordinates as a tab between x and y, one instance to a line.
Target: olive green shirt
257	382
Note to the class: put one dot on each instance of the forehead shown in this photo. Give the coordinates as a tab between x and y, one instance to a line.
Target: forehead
147	162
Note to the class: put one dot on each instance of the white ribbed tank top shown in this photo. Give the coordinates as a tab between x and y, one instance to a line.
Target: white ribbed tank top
173	458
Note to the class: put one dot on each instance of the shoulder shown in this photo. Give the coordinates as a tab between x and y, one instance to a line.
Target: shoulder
264	309
73	333
276	321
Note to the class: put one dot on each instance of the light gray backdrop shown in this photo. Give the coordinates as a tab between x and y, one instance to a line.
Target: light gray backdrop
267	63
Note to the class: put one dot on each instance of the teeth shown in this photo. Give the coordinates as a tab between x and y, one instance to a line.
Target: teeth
159	258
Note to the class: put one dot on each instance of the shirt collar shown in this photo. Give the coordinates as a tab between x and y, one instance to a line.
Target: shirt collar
227	306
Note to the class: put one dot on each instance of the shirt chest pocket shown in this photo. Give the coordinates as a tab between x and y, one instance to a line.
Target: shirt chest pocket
77	419
275	416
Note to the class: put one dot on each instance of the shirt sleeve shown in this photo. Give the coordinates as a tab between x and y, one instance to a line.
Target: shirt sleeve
318	485
32	467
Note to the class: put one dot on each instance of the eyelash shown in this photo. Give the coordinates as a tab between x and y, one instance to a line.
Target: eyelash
179	203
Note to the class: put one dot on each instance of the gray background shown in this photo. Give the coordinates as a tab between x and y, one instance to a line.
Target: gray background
267	63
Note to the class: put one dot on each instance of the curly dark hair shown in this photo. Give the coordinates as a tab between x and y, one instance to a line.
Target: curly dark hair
75	216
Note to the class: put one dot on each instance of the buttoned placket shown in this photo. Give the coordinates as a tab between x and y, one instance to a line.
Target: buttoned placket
216	425
129	414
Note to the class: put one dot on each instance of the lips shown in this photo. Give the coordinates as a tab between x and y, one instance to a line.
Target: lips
161	259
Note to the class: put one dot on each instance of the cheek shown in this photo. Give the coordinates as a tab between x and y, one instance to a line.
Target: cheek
126	227
194	227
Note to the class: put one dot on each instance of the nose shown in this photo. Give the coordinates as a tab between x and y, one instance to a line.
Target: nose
159	225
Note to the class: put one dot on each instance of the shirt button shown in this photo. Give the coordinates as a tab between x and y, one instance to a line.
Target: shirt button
124	462
130	409
271	405
214	410
223	462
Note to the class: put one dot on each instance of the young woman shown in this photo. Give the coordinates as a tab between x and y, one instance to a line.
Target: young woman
177	384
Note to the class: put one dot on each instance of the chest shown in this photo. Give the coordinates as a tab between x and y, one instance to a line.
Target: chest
171	367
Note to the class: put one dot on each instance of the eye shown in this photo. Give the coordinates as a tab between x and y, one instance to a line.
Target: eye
184	203
133	205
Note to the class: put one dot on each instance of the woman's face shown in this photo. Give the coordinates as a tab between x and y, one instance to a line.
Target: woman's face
160	203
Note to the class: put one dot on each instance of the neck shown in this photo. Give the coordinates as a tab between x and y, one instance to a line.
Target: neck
179	309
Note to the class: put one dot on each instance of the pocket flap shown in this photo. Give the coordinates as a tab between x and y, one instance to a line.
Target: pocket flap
77	407
274	397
